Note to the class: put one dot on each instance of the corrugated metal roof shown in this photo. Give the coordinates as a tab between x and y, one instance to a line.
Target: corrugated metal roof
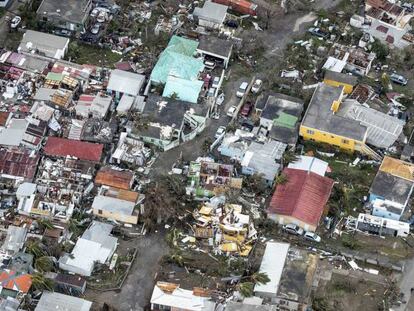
61	147
114	178
303	196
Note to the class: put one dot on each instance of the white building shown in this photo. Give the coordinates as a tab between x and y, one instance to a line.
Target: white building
95	245
382	226
272	264
211	15
44	44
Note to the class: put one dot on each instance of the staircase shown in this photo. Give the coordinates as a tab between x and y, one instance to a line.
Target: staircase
370	152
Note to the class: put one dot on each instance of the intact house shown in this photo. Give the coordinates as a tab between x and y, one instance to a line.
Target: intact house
17	166
177	70
55	301
347	124
44	44
96	106
301	200
280	118
340	79
264	160
392	188
125	86
291	271
169	122
382	226
96	245
169	296
388	22
351	59
14	241
211	15
70	15
215	48
14	284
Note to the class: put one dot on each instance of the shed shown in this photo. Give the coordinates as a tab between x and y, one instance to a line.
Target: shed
216	47
273	262
211	15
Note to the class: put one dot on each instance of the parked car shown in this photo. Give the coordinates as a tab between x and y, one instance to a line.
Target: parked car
220	131
312	236
242	89
318	32
63	33
246	109
293	229
102	17
211	92
94	12
257	86
220	99
232	110
232	23
216	82
399	79
209	64
15	22
95	29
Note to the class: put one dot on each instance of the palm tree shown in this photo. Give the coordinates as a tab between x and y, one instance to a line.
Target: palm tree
45	224
246	289
40	282
35	248
259	278
281	179
289	157
44	264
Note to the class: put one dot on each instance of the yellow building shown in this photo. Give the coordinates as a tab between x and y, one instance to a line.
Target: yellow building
321	122
338	79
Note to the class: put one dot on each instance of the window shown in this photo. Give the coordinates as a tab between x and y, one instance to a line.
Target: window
345	141
310	132
99	211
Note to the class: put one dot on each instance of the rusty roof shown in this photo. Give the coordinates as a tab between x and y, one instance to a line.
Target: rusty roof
62	147
114	178
398	168
18	163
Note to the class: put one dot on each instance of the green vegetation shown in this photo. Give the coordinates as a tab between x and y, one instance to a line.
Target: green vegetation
88	54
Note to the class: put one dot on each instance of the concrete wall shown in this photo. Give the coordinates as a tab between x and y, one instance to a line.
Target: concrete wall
284	220
129	219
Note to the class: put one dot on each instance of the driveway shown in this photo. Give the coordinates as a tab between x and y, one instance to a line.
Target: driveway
11	11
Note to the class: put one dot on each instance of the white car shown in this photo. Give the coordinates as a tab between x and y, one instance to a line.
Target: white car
216	81
220	99
293	229
242	89
211	92
257	86
220	131
312	236
231	111
15	22
95	29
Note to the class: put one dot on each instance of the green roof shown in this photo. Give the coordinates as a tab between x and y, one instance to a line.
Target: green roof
186	90
285	120
54	76
182	46
177	60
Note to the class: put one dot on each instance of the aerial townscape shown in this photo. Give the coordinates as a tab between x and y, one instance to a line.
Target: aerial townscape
209	155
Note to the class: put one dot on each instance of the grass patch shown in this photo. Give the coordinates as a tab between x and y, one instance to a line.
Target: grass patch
89	54
12	40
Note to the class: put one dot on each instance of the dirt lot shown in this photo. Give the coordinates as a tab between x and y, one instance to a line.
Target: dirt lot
347	290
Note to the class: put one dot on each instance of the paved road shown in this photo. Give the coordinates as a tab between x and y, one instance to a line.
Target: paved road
4	27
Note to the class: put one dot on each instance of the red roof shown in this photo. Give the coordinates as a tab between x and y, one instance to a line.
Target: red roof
20	163
303	196
62	147
11	280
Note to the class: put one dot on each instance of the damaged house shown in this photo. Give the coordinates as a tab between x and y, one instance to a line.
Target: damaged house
169	122
392	188
130	151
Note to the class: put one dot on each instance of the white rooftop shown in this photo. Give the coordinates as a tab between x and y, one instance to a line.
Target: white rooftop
310	164
272	264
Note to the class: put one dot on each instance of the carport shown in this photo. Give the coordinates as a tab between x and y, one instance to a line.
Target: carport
215	47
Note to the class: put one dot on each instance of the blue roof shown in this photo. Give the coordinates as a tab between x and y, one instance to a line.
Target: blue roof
186	90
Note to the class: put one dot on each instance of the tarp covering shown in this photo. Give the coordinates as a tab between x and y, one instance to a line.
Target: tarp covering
186	90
